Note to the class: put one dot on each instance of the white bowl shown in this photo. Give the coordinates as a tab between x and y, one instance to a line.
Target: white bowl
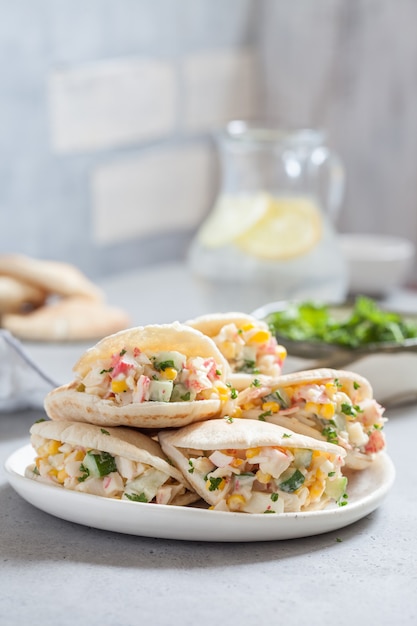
377	263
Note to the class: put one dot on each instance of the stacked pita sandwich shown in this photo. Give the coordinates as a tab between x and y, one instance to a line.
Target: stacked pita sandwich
170	414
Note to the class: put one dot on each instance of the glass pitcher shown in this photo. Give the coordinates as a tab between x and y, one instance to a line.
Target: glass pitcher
270	235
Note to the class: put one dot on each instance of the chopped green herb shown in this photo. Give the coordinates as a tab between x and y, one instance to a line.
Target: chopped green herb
228	419
215	483
186	397
330	433
122	352
337	383
274	497
269	511
247	367
366	324
163	365
263	415
42	419
286	435
104	431
107	371
218	373
136	497
338	540
192	468
256	383
233	393
331	474
36	471
85	471
348	409
356	385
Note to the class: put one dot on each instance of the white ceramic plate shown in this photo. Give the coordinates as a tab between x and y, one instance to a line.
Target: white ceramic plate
366	491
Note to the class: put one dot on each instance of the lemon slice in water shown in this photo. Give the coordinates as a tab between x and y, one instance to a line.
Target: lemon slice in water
233	216
290	227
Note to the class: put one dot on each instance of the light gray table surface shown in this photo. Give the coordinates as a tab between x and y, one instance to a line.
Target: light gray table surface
58	572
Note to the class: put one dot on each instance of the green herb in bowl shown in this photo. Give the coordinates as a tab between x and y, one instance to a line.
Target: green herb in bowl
362	325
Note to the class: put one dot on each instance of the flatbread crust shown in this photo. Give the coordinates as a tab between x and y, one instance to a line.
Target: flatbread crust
125	442
357	386
16	295
73	318
241	434
66	403
52	276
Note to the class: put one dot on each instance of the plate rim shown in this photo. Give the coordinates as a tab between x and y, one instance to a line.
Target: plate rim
161	521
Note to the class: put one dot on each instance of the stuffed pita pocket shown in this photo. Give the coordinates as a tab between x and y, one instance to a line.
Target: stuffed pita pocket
118	463
255	467
152	376
331	405
247	344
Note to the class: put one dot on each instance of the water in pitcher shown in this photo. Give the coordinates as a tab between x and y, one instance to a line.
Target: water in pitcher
270	234
261	248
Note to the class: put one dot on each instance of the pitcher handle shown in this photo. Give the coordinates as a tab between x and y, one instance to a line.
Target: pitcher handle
335	189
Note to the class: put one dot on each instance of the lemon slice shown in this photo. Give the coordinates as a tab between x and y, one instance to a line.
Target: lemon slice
289	228
232	216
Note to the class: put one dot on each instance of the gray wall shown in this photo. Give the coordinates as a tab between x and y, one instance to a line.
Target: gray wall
107	110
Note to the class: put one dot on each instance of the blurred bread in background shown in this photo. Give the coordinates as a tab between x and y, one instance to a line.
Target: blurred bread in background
53	301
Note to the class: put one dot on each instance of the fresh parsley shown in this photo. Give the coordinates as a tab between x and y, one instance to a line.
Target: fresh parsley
136	497
365	324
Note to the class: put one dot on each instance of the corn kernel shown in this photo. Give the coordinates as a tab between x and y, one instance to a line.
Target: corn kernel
312	407
281	352
118	386
251	452
53	472
169	373
316	489
223	393
236	462
260	336
289	391
61	476
262	477
327	410
270	406
79	455
237	412
228	349
53	447
235	501
248	326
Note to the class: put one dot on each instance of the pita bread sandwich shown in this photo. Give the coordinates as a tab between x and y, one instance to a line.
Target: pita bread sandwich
118	463
255	467
247	344
154	376
331	405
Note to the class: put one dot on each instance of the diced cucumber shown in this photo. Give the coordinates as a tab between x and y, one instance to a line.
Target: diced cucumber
170	358
280	396
99	464
302	457
336	487
293	482
145	487
249	353
180	393
160	390
339	421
